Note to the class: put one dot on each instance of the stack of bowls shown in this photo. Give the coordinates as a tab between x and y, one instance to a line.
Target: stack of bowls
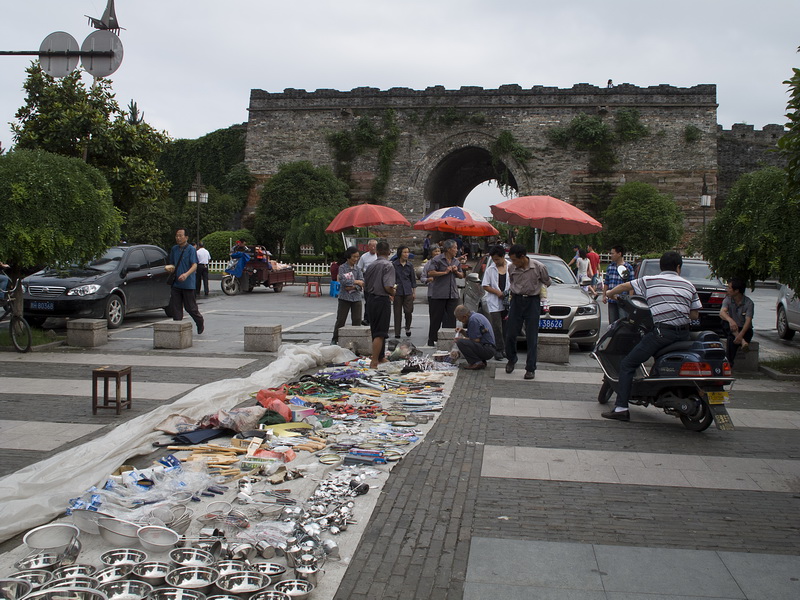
151	572
14	589
198	579
123	556
126	590
36	577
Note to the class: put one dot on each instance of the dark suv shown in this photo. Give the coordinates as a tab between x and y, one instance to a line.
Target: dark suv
124	280
710	289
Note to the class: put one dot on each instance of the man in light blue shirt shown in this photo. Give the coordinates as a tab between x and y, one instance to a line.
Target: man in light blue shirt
183	258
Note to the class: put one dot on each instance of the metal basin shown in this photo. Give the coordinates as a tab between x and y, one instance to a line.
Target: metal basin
67	594
43	561
176	594
154	573
126	590
157	539
193	578
53	537
14	589
123	556
118	532
297	589
74	571
36	577
113	573
191	557
243	583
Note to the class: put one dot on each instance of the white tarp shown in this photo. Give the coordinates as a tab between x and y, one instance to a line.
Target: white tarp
37	493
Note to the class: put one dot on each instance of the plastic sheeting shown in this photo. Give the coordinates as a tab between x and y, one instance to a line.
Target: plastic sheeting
37	493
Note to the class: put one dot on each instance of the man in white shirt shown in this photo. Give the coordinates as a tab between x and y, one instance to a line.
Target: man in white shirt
203	258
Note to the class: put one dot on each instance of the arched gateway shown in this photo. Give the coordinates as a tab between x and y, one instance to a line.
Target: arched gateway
420	150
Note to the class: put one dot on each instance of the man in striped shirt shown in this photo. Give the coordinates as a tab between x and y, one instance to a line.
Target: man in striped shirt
674	303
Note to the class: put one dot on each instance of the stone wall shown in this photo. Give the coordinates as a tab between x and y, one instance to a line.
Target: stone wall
743	149
444	147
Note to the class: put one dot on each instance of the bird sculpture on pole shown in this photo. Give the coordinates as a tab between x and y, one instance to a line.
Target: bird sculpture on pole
108	21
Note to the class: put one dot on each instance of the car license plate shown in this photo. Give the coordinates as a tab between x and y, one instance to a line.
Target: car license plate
551	323
717	397
37	305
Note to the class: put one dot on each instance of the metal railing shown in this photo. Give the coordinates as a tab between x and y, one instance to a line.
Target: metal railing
318	269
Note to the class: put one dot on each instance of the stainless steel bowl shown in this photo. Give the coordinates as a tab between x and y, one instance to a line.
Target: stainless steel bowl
126	590
158	539
223	597
113	573
67	594
53	537
118	532
14	589
271	595
191	557
274	570
297	589
36	577
243	583
176	594
123	556
151	572
193	578
74	571
86	520
231	566
78	581
41	561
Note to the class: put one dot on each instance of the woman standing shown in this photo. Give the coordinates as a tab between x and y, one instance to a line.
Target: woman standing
351	284
405	295
496	283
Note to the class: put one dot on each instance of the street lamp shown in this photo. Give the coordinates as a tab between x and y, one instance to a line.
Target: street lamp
198	194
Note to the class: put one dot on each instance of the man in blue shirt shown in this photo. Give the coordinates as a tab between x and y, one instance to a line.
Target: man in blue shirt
478	344
183	258
613	279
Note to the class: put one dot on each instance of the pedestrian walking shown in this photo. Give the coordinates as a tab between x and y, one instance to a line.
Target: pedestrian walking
183	259
379	281
496	285
406	281
444	271
426	247
203	258
527	278
351	286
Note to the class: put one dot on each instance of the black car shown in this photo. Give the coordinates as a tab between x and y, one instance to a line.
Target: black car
124	280
710	289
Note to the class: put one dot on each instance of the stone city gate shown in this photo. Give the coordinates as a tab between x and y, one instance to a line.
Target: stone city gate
418	150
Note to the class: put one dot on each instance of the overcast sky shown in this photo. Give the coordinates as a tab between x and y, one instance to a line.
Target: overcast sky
190	64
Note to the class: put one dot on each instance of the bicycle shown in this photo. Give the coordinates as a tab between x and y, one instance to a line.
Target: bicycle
18	328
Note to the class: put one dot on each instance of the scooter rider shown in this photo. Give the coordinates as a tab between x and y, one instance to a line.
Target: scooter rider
673	303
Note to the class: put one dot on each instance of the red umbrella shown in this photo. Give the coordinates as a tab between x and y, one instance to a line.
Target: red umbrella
455	219
545	213
365	215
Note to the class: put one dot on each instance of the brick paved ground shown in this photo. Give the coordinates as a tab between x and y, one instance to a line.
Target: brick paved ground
418	540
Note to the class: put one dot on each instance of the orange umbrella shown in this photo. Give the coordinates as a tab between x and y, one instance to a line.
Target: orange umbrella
365	215
545	213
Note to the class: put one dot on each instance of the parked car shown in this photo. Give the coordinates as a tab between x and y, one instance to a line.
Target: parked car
572	311
124	280
788	312
710	289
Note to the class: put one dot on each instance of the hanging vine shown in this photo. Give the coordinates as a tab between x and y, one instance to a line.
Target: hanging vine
504	147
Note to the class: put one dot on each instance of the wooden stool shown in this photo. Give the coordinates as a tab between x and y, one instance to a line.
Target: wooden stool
312	289
108	373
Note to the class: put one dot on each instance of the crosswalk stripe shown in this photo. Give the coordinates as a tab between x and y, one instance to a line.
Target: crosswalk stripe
641	468
571	409
134	360
83	388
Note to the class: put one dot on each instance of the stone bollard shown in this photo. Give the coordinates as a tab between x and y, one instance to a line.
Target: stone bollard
746	362
445	339
87	333
553	348
262	338
173	335
356	338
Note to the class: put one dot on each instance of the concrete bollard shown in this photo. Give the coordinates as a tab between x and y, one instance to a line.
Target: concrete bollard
173	335
87	333
445	339
356	338
746	362
553	348
262	338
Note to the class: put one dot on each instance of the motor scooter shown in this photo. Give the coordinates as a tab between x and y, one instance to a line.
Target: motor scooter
686	378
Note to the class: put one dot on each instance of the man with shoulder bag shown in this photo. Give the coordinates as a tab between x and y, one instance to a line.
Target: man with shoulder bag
182	267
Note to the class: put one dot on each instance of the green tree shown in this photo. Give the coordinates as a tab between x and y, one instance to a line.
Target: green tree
642	219
309	228
294	190
64	117
789	146
53	209
743	239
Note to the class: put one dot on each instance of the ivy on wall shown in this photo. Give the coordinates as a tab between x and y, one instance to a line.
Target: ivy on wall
504	147
593	134
692	134
347	146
